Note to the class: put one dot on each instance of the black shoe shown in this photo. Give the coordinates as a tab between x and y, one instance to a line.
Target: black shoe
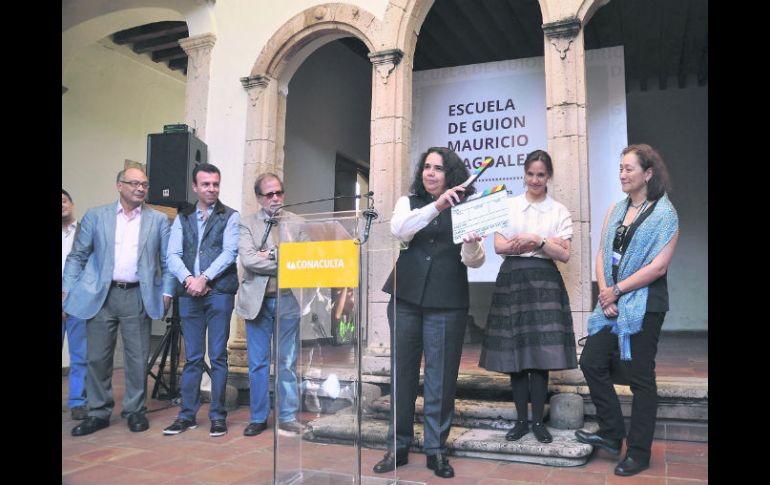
440	466
253	429
180	425
541	433
629	467
391	461
612	446
519	429
137	422
79	413
218	427
90	425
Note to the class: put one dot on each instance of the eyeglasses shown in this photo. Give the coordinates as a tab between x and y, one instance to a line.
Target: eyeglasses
135	185
270	195
620	237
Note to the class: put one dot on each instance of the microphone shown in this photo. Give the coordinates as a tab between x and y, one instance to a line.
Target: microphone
327	199
272	221
370	215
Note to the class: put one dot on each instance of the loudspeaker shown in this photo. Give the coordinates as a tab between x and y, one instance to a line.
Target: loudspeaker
171	158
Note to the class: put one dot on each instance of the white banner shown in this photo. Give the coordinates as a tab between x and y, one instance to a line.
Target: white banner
498	109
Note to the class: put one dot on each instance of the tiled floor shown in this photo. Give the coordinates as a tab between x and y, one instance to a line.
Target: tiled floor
117	456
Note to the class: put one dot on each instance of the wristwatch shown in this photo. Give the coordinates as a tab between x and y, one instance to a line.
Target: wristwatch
616	291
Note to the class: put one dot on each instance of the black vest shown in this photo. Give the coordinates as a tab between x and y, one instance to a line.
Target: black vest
429	272
211	246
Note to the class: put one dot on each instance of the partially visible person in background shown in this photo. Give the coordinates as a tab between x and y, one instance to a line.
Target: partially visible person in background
72	326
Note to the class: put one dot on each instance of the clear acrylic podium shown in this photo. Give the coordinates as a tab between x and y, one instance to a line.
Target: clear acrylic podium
325	264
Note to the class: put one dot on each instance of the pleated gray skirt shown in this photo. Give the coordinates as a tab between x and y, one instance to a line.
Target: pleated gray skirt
529	324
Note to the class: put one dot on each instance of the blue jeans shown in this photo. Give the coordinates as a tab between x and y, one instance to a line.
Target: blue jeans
198	314
258	335
75	328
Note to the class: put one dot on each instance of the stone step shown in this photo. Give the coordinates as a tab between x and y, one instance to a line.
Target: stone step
497	386
564	451
469	413
676	421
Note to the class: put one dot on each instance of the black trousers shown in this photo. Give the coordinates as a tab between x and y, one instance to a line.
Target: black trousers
595	364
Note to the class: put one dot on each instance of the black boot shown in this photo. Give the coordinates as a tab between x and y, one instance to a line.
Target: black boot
541	433
519	429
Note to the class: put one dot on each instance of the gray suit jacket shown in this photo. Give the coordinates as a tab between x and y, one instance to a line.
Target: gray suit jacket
89	266
256	269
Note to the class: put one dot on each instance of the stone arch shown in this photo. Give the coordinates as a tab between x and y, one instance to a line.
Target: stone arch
267	85
411	18
299	37
583	12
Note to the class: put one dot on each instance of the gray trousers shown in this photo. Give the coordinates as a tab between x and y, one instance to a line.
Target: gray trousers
124	309
439	334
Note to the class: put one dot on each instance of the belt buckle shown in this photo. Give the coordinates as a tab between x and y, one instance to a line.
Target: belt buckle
122	285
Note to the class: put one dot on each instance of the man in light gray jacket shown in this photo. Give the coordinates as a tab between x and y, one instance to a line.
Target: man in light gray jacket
116	277
256	303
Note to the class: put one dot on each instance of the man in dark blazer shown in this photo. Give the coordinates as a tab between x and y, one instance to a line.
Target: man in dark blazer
115	277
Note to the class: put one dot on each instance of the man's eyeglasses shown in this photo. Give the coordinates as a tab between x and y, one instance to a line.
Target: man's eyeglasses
620	237
135	185
270	195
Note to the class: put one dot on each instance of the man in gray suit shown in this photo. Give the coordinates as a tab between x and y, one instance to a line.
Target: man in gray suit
116	276
256	303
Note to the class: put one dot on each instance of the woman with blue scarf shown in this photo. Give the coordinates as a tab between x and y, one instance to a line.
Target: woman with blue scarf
638	240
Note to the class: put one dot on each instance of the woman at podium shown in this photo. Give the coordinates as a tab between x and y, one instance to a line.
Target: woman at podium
428	309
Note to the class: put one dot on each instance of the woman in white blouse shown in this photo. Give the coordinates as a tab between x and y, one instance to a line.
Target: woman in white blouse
529	328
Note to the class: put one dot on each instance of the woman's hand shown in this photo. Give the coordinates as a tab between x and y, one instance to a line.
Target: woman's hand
610	311
525	242
450	197
472	237
607	297
559	241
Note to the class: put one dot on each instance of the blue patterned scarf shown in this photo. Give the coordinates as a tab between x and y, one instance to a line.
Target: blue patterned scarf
649	239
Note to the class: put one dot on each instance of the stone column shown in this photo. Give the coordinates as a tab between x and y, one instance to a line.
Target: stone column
265	121
198	49
565	84
390	131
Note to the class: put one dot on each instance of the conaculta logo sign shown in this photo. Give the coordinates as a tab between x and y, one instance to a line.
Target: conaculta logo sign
318	264
315	264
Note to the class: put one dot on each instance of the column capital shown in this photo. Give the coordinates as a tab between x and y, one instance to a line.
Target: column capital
197	42
385	61
251	82
561	34
254	86
562	28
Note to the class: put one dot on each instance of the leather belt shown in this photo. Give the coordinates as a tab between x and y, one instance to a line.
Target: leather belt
124	286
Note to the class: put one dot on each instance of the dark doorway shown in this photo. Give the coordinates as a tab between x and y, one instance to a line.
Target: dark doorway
351	178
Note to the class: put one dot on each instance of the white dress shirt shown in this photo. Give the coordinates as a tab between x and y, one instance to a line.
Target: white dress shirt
547	218
67	239
406	222
127	244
